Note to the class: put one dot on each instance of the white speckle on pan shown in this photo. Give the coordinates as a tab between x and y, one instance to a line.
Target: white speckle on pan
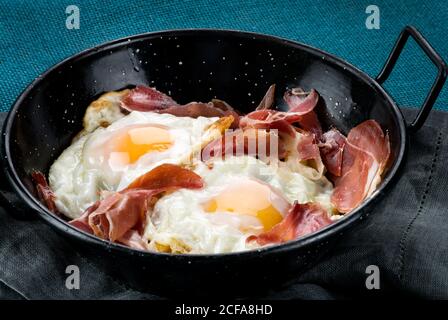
246	63
137	50
256	84
177	45
223	58
181	63
211	73
155	53
210	89
249	94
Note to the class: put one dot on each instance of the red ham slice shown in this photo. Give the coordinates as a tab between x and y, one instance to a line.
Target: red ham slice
143	98
167	176
302	219
303	148
149	99
309	122
301	102
364	158
251	142
304	103
301	105
200	109
307	147
118	213
44	192
268	99
331	150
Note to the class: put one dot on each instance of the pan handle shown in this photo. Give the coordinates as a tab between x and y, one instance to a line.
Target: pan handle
435	58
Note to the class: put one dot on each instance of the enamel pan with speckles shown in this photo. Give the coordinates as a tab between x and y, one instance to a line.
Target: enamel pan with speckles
192	65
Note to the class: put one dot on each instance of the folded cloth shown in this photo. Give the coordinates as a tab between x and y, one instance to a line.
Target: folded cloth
406	238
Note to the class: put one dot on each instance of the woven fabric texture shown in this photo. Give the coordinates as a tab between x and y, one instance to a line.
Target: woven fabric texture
34	36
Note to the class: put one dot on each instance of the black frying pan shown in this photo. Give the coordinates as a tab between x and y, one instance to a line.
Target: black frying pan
229	65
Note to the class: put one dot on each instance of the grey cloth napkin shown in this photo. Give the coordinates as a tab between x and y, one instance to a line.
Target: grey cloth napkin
406	238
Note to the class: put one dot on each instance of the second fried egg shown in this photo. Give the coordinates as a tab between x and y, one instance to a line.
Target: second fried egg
242	196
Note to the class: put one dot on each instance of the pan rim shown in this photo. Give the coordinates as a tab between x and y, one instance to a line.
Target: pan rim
61	225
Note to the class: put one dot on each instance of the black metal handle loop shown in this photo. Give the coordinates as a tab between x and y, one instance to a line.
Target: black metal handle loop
435	58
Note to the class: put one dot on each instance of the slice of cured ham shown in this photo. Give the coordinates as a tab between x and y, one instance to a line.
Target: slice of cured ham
119	214
331	149
143	98
302	219
364	158
262	144
44	192
147	99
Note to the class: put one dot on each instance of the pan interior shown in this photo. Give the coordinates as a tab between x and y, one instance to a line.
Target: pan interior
190	66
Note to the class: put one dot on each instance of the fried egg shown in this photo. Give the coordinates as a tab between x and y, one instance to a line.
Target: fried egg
111	158
242	196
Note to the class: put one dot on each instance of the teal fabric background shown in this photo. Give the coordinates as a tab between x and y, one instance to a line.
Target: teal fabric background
33	35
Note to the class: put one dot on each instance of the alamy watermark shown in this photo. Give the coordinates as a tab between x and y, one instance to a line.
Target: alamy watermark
373	278
73	19
373	18
72	282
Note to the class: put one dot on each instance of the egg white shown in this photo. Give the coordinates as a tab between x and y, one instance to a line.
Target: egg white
79	174
178	222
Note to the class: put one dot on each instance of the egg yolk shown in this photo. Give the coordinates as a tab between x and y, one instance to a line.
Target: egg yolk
133	143
249	198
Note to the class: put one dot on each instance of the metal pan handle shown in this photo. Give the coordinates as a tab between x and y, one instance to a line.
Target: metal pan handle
435	58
